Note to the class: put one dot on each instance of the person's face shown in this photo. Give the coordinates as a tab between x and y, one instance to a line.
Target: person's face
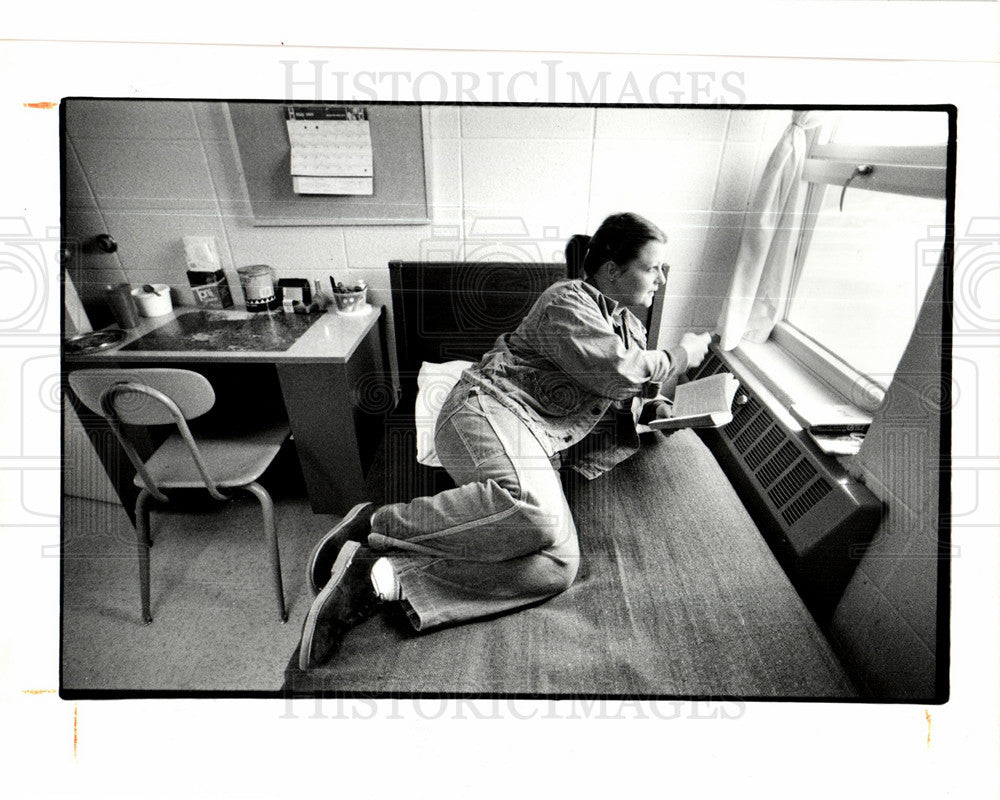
635	283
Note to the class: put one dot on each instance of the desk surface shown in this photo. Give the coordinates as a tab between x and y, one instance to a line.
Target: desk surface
267	338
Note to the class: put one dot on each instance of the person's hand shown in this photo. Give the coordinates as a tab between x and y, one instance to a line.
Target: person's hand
696	345
664	410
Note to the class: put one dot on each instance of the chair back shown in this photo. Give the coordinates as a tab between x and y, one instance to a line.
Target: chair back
191	392
148	397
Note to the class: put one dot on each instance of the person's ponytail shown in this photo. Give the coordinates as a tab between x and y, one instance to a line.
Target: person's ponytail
576	253
619	239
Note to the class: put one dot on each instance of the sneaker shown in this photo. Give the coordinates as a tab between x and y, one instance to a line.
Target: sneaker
354	527
347	599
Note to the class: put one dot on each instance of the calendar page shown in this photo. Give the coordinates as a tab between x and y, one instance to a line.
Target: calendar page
331	149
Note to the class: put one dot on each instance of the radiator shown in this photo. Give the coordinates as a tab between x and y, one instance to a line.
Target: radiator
815	516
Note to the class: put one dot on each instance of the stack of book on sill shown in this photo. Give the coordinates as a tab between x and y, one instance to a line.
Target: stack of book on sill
837	429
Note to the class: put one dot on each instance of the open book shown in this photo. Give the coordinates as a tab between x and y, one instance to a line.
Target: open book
705	403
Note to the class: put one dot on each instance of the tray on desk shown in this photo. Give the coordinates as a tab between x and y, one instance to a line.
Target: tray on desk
226	331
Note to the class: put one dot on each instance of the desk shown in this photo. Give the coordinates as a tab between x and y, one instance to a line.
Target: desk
334	386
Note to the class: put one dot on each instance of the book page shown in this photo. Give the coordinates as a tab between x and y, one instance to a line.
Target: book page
711	395
703	403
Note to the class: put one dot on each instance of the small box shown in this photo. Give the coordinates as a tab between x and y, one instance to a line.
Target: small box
294	289
211	289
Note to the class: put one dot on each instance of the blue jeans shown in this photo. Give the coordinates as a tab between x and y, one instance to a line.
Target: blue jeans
502	539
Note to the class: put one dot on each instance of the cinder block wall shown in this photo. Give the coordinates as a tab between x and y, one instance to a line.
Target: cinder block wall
886	622
504	183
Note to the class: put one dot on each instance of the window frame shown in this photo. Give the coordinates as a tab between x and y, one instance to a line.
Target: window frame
914	170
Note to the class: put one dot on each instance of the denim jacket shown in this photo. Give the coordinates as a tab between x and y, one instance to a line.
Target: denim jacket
576	358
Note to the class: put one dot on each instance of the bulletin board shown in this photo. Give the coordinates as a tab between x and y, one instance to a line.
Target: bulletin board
400	193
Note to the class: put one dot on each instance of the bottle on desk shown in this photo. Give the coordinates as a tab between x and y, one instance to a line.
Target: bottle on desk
321	297
122	305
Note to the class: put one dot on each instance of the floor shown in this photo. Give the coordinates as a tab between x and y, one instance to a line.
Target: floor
215	618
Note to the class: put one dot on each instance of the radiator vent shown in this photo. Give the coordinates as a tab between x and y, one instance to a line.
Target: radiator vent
743	415
817	490
795	481
819	510
752	431
767	445
775	467
710	366
776	461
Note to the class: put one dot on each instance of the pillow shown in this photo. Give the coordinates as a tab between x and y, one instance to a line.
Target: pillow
434	384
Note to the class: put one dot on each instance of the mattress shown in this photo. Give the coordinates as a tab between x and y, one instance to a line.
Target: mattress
677	595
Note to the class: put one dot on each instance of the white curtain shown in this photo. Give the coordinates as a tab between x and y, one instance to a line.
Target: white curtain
764	264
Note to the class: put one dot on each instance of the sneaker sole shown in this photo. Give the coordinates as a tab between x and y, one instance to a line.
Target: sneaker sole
349	517
344	559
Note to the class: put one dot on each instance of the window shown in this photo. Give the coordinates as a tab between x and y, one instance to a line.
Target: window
861	270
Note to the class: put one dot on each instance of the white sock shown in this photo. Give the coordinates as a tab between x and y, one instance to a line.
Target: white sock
385	582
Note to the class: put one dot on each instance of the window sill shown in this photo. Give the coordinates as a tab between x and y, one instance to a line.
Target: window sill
778	380
785	378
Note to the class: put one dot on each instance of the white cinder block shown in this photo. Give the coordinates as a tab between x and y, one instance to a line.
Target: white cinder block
910	583
632	176
135	175
681	283
149	120
662	124
78	195
152	250
722	244
507	173
498	122
747	125
371	248
676	311
710	283
290	251
443	242
527	232
670	335
211	121
735	177
443	121
880	644
92	271
775	124
445	170
705	310
225	174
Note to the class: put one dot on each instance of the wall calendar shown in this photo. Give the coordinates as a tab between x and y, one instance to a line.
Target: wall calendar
331	150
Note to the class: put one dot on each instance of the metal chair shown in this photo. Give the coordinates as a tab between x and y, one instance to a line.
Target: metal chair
220	465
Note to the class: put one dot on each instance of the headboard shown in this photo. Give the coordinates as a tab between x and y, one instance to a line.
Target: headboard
447	310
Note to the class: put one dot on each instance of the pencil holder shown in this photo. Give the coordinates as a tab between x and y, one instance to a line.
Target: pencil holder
353	302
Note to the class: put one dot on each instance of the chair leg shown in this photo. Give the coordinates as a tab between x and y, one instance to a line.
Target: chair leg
143	541
267	508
